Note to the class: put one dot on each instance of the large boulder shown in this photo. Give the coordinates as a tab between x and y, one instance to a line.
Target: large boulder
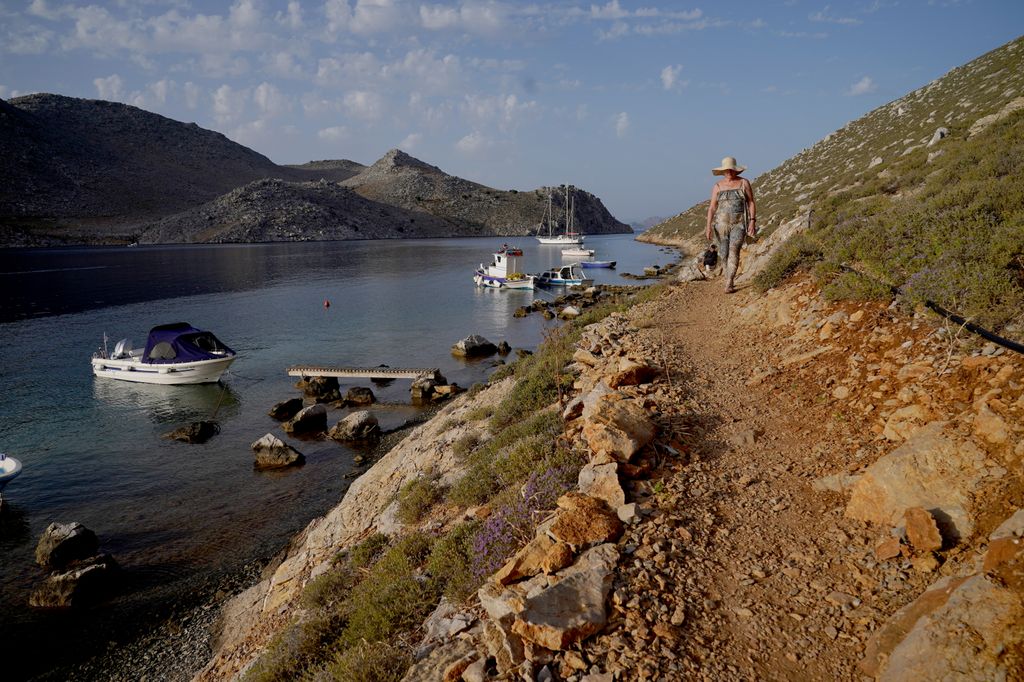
286	409
583	520
361	425
630	372
474	346
62	543
84	581
424	387
320	389
359	395
617	427
602	481
194	433
273	453
572	607
312	419
933	470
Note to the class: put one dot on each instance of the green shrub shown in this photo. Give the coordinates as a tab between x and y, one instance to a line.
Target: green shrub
417	497
367	551
464	445
797	251
380	661
451	560
391	598
330	588
480	413
297	649
476	486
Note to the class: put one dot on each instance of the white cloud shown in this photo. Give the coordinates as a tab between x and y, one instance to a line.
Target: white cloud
582	112
27	40
670	77
270	101
474	143
192	94
293	18
110	88
228	103
438	17
824	16
610	11
40	8
283	64
97	29
161	89
618	29
314	104
245	14
505	111
862	87
338	14
364	104
411	141
333	133
621	124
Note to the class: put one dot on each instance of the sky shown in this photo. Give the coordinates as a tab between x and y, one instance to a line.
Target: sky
633	101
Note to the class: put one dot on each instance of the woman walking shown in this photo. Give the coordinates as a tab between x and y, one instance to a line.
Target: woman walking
732	214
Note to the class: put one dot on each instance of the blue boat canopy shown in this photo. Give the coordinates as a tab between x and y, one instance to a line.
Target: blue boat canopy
181	342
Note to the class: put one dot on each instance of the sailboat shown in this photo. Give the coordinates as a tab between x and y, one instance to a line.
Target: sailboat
568	237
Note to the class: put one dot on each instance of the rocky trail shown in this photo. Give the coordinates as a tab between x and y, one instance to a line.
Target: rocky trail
746	565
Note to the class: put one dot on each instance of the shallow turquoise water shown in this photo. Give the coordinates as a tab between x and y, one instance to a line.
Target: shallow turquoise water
173	515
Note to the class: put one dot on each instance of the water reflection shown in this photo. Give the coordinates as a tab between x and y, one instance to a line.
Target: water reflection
169	404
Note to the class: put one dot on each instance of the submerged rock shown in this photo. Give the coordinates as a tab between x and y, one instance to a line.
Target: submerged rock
62	543
361	425
312	419
273	453
474	346
359	395
84	581
320	389
196	432
286	409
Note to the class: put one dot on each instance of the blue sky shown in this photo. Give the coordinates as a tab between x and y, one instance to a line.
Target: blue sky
634	101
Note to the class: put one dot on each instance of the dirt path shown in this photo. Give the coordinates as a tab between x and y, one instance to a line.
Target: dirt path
741	570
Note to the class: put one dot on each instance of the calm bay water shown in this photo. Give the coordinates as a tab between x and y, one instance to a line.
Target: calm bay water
175	516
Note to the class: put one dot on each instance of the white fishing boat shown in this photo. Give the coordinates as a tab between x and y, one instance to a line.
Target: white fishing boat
568	236
9	470
577	252
174	354
504	272
567	275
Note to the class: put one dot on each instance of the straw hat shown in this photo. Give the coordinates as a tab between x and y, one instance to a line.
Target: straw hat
728	163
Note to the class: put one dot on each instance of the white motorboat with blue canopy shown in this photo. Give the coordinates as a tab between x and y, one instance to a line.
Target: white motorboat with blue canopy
174	354
504	272
567	275
9	470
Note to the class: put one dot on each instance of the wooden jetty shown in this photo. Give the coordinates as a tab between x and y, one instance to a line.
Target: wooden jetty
427	382
364	372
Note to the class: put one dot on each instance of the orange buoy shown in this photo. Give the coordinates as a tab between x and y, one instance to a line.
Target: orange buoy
327	304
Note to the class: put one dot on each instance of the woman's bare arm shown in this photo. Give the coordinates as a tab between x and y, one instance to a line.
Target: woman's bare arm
712	207
749	191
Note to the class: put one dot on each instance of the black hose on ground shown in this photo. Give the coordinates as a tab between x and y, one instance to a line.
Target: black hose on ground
949	315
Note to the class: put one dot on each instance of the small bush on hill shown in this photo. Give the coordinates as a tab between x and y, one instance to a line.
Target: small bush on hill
417	497
797	251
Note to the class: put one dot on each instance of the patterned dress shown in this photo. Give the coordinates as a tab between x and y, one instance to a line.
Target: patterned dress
730	226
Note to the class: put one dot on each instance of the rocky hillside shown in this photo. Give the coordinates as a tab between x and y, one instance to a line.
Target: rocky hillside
397	197
401	180
275	211
88	171
867	148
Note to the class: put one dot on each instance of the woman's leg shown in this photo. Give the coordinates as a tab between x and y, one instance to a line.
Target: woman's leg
735	243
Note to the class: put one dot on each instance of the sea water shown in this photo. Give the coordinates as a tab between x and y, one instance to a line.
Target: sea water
177	516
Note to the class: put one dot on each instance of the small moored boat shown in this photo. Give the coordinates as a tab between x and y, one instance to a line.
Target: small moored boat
567	275
598	263
174	354
9	470
578	251
503	272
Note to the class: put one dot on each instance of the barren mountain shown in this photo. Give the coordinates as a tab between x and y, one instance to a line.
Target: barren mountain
87	171
397	197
